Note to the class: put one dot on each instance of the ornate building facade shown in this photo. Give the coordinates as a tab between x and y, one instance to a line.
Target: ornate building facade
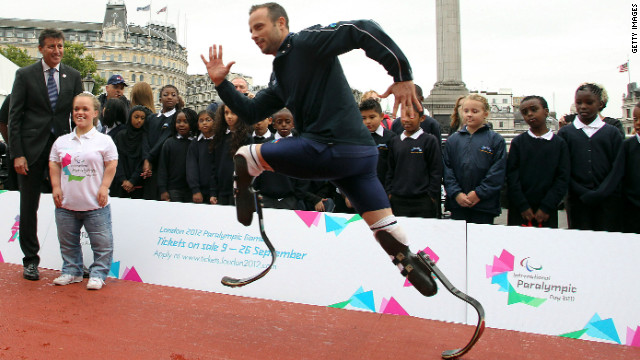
151	54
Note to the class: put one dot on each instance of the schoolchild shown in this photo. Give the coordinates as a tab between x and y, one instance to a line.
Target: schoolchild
158	128
371	112
537	169
567	119
172	166
129	145
593	147
261	131
429	124
475	159
114	117
631	179
230	134
415	170
280	191
200	159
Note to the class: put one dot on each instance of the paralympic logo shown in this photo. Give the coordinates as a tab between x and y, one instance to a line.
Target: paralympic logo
526	263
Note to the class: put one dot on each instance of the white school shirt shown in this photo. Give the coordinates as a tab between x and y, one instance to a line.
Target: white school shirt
82	161
414	136
591	128
546	136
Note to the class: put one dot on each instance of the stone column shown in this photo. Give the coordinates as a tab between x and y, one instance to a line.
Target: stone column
449	85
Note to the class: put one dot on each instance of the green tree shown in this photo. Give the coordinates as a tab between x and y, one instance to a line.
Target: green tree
18	56
74	56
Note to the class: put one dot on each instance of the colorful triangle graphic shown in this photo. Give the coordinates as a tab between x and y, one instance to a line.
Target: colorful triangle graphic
633	337
1	258
309	217
354	218
392	306
340	305
131	274
574	334
335	224
602	329
115	270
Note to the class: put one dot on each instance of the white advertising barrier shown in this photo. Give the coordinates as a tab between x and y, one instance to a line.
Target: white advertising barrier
323	259
579	284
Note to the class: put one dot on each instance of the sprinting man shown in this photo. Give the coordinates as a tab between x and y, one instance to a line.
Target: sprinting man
333	144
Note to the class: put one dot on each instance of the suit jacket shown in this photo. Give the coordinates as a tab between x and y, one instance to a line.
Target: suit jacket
31	118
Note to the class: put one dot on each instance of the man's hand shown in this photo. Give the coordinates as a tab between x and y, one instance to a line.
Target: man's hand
21	166
216	69
404	94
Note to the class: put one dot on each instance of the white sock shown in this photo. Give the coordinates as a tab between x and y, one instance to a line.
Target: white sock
390	225
253	164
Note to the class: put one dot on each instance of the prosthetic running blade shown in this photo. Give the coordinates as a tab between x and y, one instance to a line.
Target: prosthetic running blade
454	354
233	282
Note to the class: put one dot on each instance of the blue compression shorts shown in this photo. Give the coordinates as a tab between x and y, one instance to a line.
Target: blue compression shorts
351	168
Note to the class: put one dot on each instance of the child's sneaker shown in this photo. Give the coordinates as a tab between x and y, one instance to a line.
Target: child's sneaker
95	283
66	279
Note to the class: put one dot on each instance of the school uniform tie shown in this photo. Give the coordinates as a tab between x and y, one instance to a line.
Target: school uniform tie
52	89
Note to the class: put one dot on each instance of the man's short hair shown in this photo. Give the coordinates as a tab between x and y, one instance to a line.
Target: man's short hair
49	33
275	11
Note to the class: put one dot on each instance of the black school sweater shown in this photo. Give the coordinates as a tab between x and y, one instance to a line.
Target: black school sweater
592	157
199	166
537	173
172	166
383	152
415	167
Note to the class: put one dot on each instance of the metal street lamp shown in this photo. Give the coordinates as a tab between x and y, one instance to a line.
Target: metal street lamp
87	83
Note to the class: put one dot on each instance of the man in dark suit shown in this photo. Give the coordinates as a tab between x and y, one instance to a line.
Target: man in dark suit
41	102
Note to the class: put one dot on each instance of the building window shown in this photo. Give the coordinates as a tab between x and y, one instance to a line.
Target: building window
160	62
103	75
120	57
501	124
9	33
153	61
111	57
141	77
104	56
19	34
628	113
135	58
133	77
505	101
493	101
142	59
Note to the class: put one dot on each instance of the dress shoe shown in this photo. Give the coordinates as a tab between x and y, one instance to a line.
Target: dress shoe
31	272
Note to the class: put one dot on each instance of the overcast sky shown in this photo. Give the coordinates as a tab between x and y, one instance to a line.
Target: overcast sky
545	47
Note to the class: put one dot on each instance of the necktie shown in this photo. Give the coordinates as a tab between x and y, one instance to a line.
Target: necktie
52	89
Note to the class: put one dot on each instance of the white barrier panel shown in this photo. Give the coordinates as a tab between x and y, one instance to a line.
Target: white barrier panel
323	259
578	284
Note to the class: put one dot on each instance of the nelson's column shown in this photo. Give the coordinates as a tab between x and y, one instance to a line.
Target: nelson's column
449	86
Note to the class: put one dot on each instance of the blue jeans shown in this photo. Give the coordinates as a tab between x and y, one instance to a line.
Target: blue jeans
97	224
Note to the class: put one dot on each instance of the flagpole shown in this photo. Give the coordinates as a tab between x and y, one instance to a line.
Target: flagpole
149	26
629	69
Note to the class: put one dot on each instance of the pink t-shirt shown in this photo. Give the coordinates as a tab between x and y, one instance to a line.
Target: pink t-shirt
82	161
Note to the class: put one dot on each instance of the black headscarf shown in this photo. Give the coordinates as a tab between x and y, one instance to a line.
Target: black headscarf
132	137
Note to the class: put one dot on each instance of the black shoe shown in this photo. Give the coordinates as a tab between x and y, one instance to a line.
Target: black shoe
245	204
85	272
414	269
30	272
